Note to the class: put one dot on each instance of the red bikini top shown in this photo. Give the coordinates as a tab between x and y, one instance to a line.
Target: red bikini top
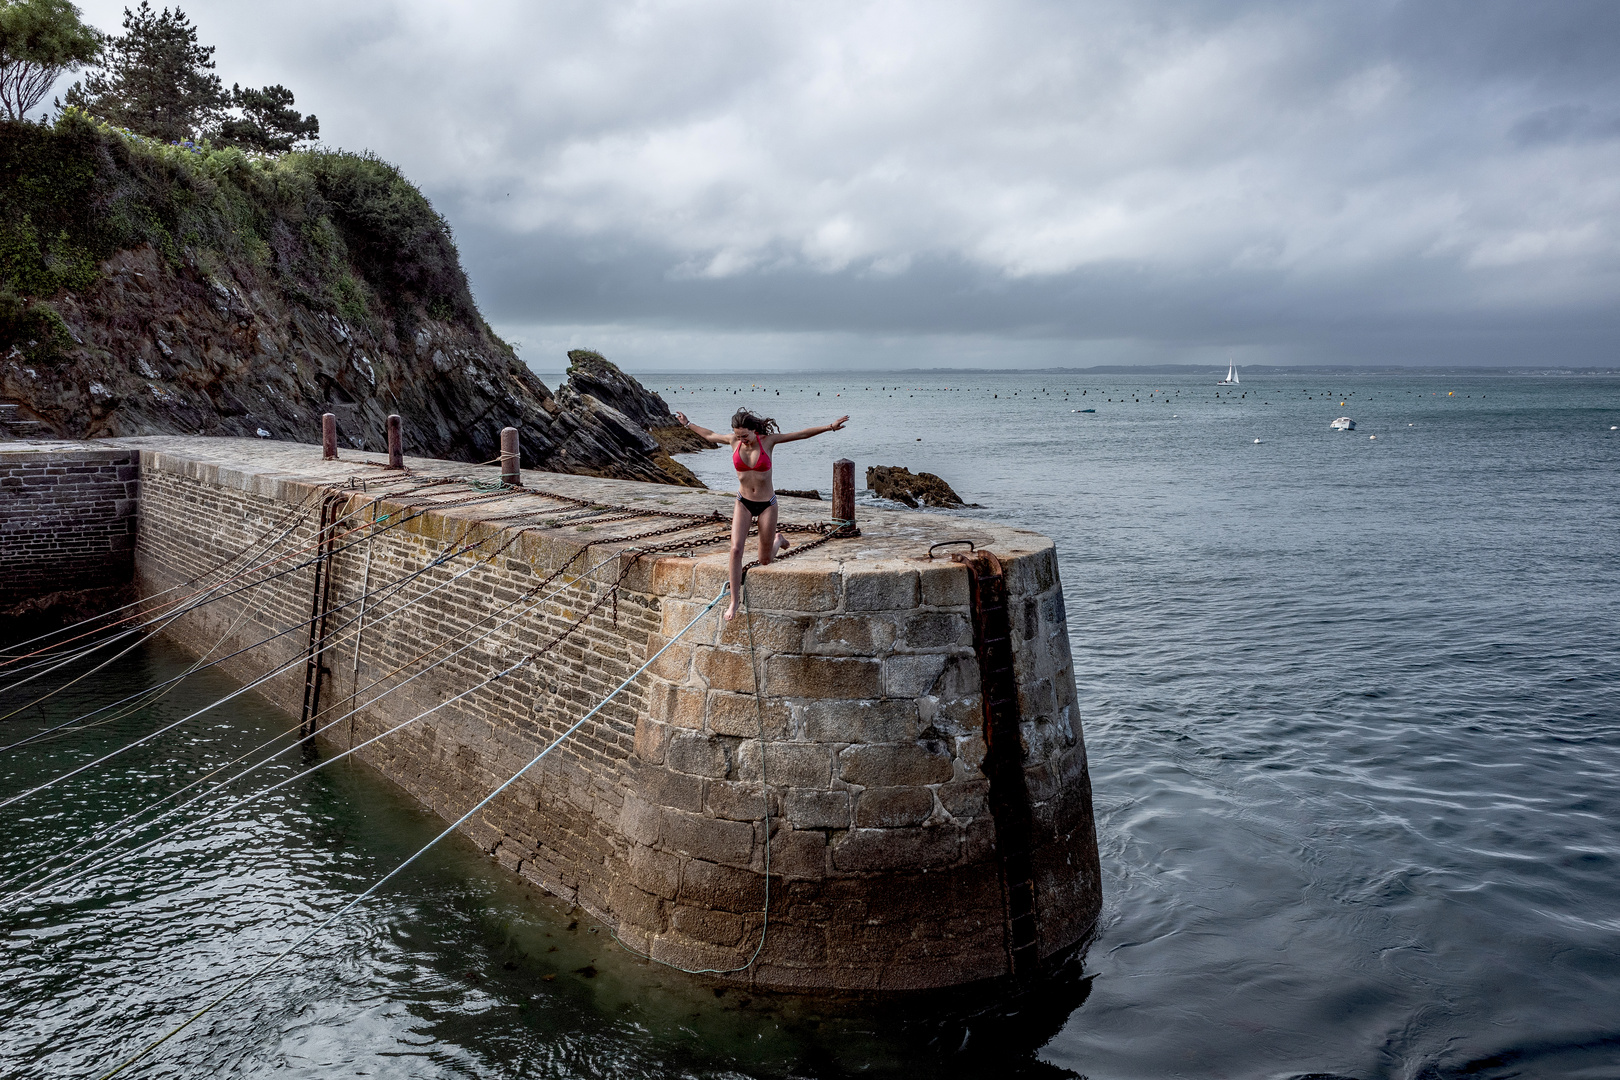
761	463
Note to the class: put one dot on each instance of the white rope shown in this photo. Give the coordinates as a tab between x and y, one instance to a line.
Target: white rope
6	659
485	801
166	613
403	516
765	808
160	623
301	658
55	875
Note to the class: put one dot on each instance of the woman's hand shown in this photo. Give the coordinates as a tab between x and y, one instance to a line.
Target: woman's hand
838	424
682	418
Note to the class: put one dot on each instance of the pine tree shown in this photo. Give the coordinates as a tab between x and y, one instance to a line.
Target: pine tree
156	80
269	123
39	39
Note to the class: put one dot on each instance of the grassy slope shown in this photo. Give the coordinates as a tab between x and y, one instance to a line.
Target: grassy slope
339	233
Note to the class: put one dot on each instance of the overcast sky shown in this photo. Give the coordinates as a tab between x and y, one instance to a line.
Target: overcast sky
921	182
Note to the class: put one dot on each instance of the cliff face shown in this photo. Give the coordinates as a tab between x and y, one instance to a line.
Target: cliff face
153	290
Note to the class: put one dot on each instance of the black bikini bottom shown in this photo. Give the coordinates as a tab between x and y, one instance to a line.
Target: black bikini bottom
754	507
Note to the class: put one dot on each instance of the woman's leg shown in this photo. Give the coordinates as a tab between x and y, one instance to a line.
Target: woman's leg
767	535
740	520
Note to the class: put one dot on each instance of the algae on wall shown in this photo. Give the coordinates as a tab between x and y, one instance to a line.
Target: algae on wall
149	288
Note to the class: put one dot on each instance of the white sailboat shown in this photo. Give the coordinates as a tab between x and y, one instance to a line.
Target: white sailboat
1231	376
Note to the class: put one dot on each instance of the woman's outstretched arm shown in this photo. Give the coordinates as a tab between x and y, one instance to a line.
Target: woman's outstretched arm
810	432
703	432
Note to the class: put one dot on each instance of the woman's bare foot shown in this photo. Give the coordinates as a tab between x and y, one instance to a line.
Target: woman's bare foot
731	611
782	542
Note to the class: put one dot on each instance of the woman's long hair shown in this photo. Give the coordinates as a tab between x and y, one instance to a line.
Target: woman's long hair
759	425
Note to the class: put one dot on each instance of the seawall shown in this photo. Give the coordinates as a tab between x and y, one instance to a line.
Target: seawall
67	525
896	861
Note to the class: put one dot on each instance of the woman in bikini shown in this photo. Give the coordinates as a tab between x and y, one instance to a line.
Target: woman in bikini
752	439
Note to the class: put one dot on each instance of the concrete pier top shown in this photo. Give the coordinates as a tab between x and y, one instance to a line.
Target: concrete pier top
260	465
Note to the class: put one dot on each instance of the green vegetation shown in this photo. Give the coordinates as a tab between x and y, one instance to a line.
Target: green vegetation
268	124
338	232
39	40
156	80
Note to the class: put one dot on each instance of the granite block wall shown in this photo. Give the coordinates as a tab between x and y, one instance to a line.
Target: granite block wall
850	687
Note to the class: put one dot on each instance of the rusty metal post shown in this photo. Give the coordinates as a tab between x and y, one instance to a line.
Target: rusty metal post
329	436
396	452
843	500
510	476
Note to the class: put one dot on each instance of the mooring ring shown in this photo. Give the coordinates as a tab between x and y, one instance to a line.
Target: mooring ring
950	543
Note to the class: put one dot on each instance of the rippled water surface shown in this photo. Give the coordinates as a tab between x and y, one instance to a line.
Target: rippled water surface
1353	712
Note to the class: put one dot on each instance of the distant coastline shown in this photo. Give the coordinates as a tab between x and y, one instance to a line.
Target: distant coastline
1450	371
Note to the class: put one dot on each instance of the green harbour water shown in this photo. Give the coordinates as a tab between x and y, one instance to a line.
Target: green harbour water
1352	706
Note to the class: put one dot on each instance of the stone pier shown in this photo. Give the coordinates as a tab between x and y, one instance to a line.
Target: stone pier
852	686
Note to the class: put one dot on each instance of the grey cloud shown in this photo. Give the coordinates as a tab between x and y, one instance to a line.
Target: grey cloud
1322	179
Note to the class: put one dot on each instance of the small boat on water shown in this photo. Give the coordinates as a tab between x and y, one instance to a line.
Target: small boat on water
1231	376
1085	410
1343	423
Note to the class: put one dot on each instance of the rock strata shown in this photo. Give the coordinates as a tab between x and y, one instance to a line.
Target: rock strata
913	489
195	348
596	385
149	289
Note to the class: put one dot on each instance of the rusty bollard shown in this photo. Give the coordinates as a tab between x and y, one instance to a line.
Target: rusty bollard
329	436
843	500
396	451
510	476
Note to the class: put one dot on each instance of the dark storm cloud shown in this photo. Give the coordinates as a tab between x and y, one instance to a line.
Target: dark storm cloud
1381	181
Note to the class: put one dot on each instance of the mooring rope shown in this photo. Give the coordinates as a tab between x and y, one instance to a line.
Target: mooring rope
55	875
393	585
610	593
6	659
166	614
152	694
485	801
170	615
167	609
161	611
637	554
302	658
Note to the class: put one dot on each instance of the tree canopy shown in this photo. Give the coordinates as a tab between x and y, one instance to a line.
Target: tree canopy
268	124
155	79
39	39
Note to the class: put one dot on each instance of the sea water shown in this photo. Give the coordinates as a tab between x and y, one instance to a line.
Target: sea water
1352	705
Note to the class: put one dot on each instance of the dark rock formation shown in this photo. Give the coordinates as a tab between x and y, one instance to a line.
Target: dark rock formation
902	485
811	494
211	293
209	349
596	385
592	373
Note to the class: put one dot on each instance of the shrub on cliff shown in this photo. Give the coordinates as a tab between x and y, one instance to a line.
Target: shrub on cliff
339	232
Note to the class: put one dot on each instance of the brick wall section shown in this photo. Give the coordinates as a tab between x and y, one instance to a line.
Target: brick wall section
67	520
650	817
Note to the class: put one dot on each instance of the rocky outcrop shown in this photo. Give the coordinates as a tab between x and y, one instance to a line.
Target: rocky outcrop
905	486
206	348
591	373
597	386
150	290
